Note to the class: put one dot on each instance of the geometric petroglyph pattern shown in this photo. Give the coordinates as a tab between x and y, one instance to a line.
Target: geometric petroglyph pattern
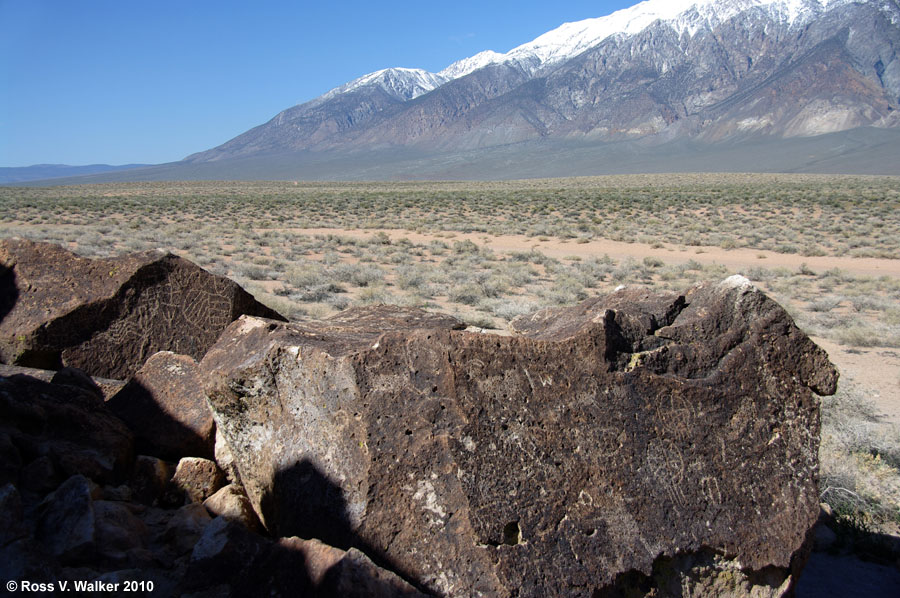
108	316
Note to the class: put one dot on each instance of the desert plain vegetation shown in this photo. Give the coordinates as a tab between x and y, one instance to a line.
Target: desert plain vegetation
826	247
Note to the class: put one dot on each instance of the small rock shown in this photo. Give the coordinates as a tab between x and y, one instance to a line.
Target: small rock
186	527
347	574
195	479
232	504
66	521
225	552
356	576
149	479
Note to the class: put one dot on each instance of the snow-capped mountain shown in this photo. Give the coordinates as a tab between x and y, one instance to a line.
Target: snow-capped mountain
660	70
404	84
571	39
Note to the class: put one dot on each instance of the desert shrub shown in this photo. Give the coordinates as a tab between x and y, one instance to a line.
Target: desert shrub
254	272
509	308
859	335
358	275
824	304
467	294
307	275
859	459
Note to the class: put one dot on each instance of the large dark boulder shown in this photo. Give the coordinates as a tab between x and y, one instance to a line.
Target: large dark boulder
107	316
165	406
635	443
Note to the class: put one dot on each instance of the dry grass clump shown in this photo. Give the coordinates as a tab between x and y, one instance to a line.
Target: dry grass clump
859	459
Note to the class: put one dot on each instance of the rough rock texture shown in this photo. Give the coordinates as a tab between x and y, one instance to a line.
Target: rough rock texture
165	406
231	503
195	480
75	505
630	434
107	316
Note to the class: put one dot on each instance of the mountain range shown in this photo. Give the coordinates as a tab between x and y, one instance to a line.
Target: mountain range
739	85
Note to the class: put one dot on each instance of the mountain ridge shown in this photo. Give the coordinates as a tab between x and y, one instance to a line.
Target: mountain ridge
627	75
676	84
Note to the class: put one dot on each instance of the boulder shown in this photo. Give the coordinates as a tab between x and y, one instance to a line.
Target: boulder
118	530
107	316
66	521
150	478
632	434
232	504
69	425
195	480
186	527
165	406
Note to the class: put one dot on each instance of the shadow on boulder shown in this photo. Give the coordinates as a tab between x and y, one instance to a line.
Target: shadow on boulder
318	510
9	293
165	406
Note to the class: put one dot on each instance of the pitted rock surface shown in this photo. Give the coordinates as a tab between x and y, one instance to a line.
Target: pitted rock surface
107	316
605	440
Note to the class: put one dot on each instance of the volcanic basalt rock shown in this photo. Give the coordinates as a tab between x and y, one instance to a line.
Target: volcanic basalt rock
107	316
629	435
164	404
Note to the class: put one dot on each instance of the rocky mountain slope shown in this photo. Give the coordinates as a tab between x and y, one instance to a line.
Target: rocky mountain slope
706	70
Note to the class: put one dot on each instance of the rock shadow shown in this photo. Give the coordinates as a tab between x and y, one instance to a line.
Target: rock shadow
156	432
305	502
9	292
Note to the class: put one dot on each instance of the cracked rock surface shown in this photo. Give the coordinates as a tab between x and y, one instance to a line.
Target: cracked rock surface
632	441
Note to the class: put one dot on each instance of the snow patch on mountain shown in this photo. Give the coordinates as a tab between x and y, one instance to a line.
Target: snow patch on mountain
570	39
404	84
684	16
465	66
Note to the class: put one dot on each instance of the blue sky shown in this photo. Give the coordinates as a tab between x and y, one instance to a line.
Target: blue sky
116	82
